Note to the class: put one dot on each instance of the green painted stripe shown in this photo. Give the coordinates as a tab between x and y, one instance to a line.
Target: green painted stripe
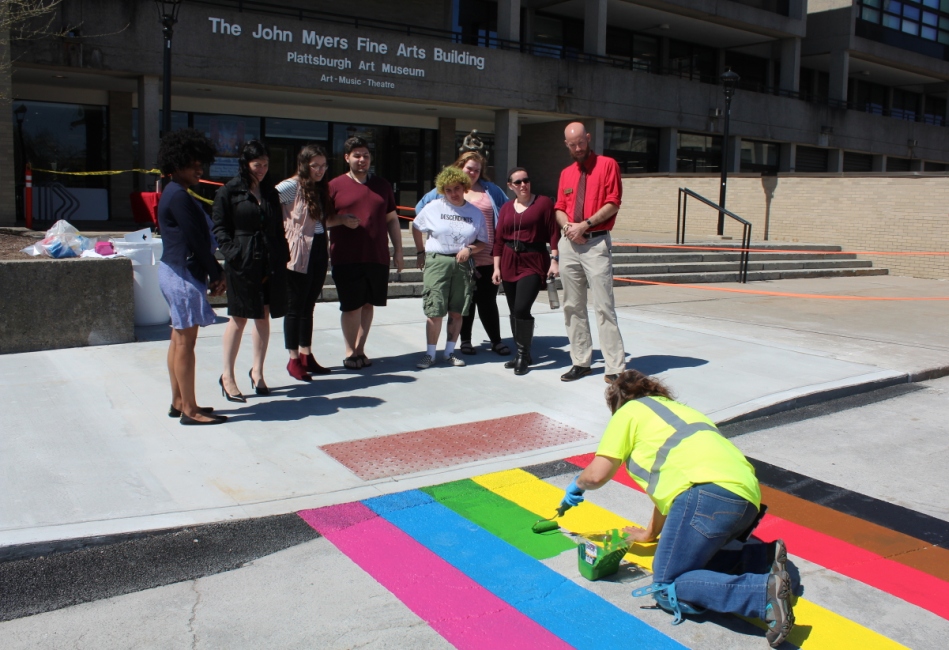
499	517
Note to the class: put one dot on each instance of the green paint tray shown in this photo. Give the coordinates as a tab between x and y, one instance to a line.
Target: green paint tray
596	561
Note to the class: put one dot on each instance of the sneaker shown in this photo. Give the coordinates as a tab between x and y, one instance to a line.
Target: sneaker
425	362
452	360
609	379
780	560
778	613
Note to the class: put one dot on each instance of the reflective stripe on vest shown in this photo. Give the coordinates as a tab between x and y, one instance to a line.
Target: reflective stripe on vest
682	431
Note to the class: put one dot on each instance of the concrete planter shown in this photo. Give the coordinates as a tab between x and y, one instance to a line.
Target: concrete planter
47	304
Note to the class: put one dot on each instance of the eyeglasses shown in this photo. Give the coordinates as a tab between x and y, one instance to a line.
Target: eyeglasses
319	168
520	180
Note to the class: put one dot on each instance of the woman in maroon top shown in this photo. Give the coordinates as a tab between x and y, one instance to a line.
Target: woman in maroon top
525	226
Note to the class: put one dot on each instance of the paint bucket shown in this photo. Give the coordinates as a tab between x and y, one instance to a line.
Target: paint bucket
596	561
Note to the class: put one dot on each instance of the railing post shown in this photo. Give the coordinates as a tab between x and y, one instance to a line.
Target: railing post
678	215
685	207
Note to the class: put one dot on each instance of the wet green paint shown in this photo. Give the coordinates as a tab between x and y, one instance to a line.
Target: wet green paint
500	517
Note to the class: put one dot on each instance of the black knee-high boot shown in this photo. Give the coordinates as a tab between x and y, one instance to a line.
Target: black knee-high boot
523	336
510	363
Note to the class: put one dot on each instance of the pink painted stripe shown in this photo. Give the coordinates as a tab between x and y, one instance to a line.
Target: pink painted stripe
455	606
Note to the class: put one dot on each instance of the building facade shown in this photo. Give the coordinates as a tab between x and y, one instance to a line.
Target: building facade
828	86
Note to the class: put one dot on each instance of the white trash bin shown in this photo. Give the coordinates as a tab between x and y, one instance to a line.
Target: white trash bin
150	305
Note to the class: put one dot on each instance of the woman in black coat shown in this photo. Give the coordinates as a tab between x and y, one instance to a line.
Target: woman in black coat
248	225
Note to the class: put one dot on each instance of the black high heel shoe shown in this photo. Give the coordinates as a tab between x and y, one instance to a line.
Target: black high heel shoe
231	398
260	389
175	413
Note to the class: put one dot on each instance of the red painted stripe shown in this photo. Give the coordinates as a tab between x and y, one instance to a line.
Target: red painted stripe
454	605
906	583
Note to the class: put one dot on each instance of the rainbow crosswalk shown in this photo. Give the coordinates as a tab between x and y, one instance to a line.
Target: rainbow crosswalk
462	557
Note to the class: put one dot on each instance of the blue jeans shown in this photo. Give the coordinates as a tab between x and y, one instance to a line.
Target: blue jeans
698	552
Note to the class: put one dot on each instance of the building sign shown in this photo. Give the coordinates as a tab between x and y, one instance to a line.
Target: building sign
347	61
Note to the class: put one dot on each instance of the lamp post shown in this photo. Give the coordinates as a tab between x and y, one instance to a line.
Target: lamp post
730	80
168	16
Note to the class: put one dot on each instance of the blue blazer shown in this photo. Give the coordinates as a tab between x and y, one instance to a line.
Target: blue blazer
495	193
186	238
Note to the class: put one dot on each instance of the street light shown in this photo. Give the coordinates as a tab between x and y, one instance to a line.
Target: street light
730	81
168	16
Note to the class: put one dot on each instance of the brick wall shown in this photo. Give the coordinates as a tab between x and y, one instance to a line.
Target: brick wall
879	212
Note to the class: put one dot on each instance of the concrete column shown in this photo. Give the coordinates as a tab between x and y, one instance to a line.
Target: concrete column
505	142
594	27
839	74
447	126
733	157
509	20
8	174
888	106
835	160
946	116
797	9
120	155
668	149
879	163
149	104
528	27
791	64
597	130
787	157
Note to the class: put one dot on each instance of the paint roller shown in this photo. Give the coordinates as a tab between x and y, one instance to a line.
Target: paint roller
547	525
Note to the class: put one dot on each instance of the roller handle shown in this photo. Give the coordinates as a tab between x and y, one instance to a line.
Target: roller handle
562	509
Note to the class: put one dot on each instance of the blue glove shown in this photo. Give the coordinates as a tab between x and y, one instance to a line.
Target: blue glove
574	496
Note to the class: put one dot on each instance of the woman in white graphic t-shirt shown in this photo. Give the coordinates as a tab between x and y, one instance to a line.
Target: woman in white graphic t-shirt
456	231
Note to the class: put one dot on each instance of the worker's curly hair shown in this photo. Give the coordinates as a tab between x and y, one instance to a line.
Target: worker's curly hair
182	148
631	385
449	176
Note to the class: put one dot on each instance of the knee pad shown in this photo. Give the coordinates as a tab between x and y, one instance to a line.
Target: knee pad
666	599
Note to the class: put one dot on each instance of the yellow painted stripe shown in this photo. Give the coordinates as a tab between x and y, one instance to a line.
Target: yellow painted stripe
815	627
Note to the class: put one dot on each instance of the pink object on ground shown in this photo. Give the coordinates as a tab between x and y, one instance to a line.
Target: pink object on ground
416	451
454	605
105	248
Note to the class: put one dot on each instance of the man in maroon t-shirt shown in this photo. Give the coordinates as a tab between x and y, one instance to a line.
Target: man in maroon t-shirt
360	255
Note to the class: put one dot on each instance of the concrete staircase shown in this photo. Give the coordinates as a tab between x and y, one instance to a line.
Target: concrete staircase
645	262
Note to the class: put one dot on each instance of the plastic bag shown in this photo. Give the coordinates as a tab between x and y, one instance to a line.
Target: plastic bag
61	241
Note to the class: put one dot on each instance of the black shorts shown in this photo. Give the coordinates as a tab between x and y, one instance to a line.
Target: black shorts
361	284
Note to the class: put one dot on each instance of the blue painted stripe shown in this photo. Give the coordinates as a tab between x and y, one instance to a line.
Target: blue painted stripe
576	615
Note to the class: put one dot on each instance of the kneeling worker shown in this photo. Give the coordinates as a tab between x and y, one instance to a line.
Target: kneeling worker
705	495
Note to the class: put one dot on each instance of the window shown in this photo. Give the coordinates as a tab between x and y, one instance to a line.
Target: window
228	133
897	164
925	19
62	137
905	105
694	62
811	160
935	112
867	96
641	50
934	166
753	70
857	162
279	127
635	148
698	153
758	156
476	21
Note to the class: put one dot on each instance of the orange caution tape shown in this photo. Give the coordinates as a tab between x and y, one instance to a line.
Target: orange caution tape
782	250
782	293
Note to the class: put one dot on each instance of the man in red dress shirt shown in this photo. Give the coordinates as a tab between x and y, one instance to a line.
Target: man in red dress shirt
588	198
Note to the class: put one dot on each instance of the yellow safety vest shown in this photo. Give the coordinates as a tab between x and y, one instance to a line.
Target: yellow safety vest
669	447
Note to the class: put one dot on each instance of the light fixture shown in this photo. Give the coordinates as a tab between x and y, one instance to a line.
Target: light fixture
865	73
60	76
167	16
911	142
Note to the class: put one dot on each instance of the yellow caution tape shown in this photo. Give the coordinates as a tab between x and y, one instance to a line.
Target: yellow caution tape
199	197
110	172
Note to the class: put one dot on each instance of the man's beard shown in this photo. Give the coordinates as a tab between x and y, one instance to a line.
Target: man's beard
580	156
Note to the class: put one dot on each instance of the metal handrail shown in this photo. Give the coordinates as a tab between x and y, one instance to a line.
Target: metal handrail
684	194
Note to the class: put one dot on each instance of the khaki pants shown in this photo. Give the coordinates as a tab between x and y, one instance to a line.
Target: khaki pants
590	263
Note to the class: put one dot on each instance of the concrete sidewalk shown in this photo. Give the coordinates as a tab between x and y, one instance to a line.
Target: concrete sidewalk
88	451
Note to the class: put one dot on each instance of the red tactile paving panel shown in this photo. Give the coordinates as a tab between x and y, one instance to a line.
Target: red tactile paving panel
417	451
